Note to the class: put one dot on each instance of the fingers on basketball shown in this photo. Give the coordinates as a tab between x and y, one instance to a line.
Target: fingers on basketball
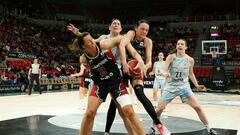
133	70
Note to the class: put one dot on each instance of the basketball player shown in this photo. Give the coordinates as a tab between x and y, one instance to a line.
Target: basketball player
34	74
180	67
107	78
85	84
115	28
143	45
159	80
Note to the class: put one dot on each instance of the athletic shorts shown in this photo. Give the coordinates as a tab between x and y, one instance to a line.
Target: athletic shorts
118	92
184	91
128	78
158	83
90	86
85	82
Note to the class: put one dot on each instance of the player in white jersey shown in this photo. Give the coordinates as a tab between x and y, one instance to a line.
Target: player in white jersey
159	80
177	68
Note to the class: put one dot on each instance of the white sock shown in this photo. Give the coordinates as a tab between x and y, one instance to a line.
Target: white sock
207	127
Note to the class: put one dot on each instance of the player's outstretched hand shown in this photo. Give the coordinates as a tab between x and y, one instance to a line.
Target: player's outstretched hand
72	28
201	88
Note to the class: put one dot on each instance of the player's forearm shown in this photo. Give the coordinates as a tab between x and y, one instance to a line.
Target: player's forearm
148	65
77	74
122	52
194	80
137	56
29	72
40	72
76	32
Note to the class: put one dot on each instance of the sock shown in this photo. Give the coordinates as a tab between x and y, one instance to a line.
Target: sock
207	127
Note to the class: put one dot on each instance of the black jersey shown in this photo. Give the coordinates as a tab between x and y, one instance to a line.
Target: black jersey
104	70
139	47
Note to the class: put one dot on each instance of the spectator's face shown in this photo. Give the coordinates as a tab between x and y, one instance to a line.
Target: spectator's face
115	27
142	30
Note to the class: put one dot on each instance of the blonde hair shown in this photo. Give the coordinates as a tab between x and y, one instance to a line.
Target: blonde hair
74	46
83	59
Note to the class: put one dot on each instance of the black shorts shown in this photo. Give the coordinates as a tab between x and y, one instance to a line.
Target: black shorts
129	79
85	82
116	90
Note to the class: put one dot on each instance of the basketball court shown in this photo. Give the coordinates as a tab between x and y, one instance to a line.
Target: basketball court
60	113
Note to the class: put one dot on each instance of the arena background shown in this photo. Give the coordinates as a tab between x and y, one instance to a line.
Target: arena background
37	29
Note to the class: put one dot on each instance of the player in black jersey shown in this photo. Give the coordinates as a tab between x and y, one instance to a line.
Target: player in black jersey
107	78
114	31
143	45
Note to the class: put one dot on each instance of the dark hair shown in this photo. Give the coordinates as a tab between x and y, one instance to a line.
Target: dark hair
78	42
175	50
80	38
114	20
74	46
141	21
183	40
172	51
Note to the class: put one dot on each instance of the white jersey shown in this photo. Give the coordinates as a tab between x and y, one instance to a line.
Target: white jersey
158	67
35	68
115	52
179	70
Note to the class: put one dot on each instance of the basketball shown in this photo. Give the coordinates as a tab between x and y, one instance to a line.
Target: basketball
132	64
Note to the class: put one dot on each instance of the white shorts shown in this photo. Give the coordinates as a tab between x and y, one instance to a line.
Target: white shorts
170	92
158	83
124	100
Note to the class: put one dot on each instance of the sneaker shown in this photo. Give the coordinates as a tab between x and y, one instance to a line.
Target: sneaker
213	132
151	131
106	133
163	130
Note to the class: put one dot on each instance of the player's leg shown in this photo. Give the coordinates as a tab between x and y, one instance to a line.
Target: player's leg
123	99
87	121
110	116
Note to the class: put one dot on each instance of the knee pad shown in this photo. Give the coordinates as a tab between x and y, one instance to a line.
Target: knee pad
138	87
138	90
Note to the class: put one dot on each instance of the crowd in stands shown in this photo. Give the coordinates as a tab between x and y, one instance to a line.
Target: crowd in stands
165	39
19	36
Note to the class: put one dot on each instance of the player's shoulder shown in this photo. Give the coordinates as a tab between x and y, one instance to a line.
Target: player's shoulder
190	59
104	36
147	39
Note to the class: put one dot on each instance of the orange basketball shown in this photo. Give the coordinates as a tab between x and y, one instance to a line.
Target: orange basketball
133	64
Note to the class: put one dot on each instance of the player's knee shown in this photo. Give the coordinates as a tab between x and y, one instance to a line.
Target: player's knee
90	113
139	90
128	111
121	114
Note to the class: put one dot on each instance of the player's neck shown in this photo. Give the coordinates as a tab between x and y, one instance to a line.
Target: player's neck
92	52
139	38
113	34
180	54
